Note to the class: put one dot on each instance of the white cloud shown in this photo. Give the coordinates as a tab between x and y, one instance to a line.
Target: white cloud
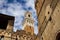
35	29
16	9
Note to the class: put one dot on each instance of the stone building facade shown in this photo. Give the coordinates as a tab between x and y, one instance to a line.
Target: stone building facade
48	19
6	26
48	13
22	35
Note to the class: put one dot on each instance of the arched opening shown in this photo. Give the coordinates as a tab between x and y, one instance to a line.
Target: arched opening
58	36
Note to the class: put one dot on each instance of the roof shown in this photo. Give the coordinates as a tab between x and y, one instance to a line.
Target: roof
6	16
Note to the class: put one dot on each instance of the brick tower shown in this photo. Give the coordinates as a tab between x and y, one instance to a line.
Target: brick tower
28	24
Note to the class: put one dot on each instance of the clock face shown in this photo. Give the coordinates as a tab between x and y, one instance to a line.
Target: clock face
28	15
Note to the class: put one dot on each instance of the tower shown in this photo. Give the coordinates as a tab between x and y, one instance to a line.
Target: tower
28	24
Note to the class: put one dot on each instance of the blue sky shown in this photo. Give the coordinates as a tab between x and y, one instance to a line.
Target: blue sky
17	8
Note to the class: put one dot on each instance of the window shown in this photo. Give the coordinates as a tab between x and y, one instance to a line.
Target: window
16	39
42	38
50	19
31	39
48	12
